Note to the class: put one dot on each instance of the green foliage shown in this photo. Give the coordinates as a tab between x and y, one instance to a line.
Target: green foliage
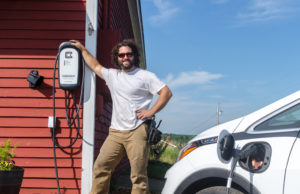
6	155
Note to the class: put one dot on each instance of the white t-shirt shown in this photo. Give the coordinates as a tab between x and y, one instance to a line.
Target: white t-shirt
130	92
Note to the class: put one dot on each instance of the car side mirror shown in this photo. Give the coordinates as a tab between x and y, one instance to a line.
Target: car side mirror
225	146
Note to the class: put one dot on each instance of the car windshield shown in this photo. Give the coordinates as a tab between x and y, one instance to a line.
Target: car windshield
287	119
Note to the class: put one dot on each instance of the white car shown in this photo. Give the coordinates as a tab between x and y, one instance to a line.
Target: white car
257	153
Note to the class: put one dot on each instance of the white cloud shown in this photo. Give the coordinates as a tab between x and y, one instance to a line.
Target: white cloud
191	78
165	12
266	10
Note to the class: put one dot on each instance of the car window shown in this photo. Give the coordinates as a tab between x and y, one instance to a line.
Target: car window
287	119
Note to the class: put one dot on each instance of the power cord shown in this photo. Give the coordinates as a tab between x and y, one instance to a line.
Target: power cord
54	126
76	117
238	155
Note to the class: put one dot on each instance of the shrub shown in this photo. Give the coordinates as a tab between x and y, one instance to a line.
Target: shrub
6	155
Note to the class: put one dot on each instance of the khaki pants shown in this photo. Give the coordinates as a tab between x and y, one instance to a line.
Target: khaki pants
116	145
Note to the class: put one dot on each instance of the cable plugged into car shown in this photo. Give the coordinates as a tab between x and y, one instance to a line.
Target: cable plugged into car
226	152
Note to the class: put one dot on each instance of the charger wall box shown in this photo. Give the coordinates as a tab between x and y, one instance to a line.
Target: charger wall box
69	65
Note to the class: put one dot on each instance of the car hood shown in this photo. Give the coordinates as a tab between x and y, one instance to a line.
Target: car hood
230	126
246	121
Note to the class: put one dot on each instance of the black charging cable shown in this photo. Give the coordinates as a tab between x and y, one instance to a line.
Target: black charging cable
238	155
76	117
54	125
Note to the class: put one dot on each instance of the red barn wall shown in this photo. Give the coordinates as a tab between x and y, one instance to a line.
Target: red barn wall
30	33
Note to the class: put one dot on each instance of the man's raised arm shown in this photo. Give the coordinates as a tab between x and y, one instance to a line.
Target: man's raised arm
91	61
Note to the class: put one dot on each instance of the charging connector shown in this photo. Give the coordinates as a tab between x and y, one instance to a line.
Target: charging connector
51	122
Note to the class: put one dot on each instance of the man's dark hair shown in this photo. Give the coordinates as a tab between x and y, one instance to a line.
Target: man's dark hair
130	43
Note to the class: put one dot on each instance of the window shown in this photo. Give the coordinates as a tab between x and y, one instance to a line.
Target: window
287	119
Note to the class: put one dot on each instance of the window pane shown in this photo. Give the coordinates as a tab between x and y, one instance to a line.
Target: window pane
287	119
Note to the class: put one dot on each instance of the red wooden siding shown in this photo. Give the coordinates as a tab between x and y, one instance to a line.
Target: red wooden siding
120	19
30	33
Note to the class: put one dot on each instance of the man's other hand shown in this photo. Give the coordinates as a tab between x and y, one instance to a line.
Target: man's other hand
143	114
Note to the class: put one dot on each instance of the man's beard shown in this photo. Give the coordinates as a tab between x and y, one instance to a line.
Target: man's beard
126	67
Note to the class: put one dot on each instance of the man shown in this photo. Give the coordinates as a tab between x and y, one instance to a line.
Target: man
132	90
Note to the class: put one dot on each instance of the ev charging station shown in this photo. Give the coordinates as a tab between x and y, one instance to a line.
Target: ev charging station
69	65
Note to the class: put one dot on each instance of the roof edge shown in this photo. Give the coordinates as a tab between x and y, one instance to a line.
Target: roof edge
135	11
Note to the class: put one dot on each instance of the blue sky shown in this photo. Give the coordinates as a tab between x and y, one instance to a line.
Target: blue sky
241	54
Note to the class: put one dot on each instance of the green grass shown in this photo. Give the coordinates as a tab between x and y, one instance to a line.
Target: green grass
169	156
166	154
160	163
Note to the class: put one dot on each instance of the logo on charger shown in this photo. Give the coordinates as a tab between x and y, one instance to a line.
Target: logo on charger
68	55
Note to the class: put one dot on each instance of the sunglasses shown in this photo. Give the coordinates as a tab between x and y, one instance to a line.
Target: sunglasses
122	55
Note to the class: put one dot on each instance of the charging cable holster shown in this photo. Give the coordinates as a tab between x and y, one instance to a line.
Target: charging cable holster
34	79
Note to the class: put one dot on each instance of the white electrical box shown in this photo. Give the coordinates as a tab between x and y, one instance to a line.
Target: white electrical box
51	122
